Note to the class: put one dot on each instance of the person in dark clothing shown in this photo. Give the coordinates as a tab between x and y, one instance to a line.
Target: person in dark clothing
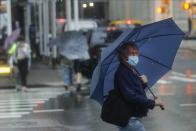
132	85
3	36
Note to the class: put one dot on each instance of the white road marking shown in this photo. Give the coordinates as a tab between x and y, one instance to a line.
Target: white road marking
16	106
14	113
23	100
21	103
48	111
166	94
181	74
164	82
182	79
188	105
10	116
178	74
15	109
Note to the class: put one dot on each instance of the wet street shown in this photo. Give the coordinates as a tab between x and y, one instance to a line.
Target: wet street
53	109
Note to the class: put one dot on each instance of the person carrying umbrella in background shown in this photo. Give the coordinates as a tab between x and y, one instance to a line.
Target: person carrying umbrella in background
131	84
73	47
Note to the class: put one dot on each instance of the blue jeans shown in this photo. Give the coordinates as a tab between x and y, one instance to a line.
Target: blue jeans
133	125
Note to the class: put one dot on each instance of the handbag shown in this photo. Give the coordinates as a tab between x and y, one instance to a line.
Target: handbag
116	110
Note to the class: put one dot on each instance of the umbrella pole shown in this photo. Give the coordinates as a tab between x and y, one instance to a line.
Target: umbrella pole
155	97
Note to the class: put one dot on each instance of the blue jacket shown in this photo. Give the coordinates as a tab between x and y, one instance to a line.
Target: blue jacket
132	89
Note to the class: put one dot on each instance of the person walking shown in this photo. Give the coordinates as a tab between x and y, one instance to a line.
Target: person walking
132	87
23	55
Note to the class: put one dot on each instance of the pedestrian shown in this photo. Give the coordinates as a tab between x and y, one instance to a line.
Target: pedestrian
132	87
23	56
67	75
3	36
32	38
78	74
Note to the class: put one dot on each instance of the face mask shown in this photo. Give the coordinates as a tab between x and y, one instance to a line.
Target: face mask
133	60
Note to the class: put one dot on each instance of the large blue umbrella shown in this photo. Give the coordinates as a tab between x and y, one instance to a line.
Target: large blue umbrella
158	44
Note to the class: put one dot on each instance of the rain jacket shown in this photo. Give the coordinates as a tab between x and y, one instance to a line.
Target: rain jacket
132	89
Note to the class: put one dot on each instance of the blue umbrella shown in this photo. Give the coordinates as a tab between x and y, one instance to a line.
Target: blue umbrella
158	43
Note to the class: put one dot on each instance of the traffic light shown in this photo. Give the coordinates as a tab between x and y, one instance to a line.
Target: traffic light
160	10
186	6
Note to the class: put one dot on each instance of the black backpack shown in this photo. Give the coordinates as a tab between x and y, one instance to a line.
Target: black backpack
116	110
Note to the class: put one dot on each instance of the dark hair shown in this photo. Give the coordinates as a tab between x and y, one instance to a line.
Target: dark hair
21	38
123	51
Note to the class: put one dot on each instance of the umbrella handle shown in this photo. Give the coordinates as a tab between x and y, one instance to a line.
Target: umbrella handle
162	107
155	97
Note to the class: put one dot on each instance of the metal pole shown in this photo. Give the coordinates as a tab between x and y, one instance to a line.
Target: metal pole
46	27
40	11
68	13
9	14
53	30
53	23
76	14
27	21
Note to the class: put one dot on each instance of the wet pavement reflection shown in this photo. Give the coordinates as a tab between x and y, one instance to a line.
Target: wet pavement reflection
57	110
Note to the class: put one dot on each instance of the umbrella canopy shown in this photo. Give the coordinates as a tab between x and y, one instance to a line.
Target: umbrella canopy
72	45
11	38
158	44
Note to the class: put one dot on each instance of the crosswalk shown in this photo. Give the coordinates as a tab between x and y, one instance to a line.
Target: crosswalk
17	104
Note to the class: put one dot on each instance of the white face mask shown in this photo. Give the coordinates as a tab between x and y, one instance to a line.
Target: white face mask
133	60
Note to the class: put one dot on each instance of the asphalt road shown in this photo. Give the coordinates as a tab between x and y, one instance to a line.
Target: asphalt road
53	109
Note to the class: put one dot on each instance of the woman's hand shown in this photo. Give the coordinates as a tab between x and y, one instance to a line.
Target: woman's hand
159	103
144	79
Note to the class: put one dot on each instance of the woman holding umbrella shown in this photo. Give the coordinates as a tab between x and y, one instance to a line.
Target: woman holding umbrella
131	85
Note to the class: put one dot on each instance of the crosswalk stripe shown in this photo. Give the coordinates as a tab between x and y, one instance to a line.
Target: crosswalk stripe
15	109
182	79
188	105
21	103
48	111
181	74
14	113
10	116
23	100
164	82
16	106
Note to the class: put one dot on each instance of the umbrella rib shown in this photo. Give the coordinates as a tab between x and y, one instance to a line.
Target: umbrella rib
157	62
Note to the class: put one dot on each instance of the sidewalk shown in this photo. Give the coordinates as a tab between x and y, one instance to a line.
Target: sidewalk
40	75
